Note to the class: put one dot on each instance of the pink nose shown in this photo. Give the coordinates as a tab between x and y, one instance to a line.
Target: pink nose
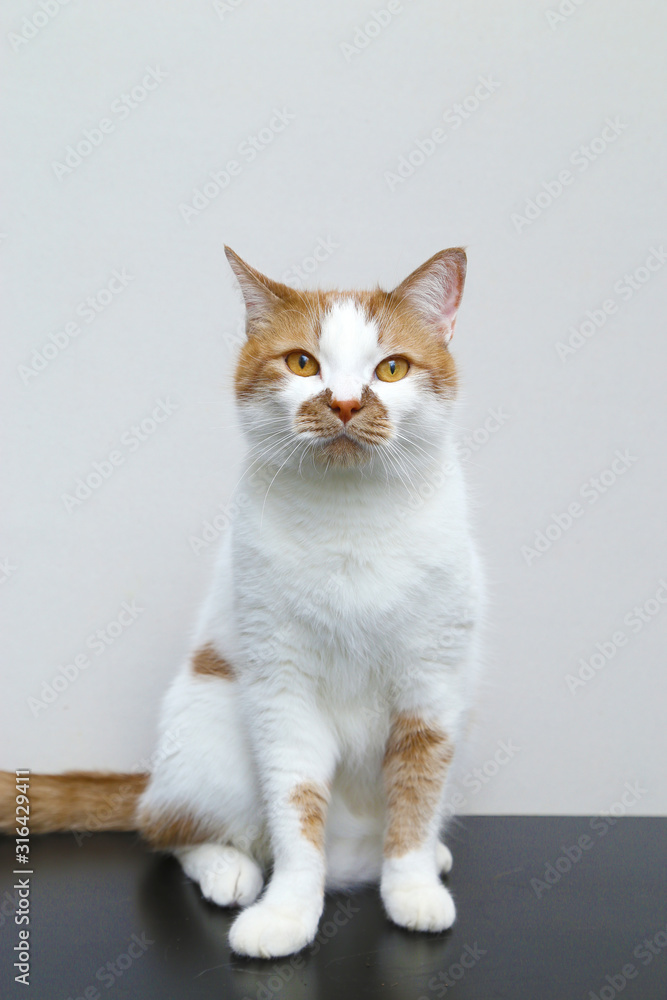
345	409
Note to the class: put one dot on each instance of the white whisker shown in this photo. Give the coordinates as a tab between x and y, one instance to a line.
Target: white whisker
298	445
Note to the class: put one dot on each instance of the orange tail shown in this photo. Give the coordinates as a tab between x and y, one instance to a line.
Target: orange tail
75	800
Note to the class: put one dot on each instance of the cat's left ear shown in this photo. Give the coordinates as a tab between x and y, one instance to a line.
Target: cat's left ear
261	295
434	290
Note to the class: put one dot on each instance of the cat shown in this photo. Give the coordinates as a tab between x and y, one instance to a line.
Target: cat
311	732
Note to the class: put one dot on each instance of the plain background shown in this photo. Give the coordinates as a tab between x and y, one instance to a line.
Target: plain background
171	334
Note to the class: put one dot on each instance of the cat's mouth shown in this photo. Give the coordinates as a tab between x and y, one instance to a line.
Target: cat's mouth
351	445
343	449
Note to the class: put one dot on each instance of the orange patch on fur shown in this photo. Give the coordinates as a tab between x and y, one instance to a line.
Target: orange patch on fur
76	800
169	829
293	326
311	801
402	332
208	663
415	765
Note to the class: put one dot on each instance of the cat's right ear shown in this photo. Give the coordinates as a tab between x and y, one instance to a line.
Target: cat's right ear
434	290
261	295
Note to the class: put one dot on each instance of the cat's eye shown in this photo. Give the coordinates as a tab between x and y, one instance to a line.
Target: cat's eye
392	369
301	363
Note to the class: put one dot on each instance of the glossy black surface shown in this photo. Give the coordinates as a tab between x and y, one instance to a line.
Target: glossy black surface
90	903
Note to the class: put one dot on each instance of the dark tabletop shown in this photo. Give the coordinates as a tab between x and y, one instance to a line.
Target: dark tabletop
543	915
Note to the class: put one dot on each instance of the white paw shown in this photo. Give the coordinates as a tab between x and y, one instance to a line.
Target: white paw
443	858
225	875
266	930
420	907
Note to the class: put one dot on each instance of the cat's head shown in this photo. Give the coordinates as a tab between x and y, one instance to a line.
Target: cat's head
347	379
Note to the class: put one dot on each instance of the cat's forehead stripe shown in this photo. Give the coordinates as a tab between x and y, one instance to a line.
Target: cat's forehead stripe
348	331
348	348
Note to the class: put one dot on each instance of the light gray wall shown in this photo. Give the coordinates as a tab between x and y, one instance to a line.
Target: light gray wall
169	334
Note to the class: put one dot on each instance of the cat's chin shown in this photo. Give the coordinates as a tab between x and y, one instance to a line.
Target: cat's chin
342	451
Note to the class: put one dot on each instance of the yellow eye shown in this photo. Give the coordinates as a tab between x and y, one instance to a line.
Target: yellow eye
301	363
392	369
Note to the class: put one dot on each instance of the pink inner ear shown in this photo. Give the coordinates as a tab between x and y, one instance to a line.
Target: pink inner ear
261	294
435	290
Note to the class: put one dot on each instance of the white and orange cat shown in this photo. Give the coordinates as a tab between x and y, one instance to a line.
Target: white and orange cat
336	655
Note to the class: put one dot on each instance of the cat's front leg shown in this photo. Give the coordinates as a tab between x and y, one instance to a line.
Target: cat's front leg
296	756
417	758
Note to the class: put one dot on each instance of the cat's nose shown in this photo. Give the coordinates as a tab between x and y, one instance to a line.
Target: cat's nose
345	409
